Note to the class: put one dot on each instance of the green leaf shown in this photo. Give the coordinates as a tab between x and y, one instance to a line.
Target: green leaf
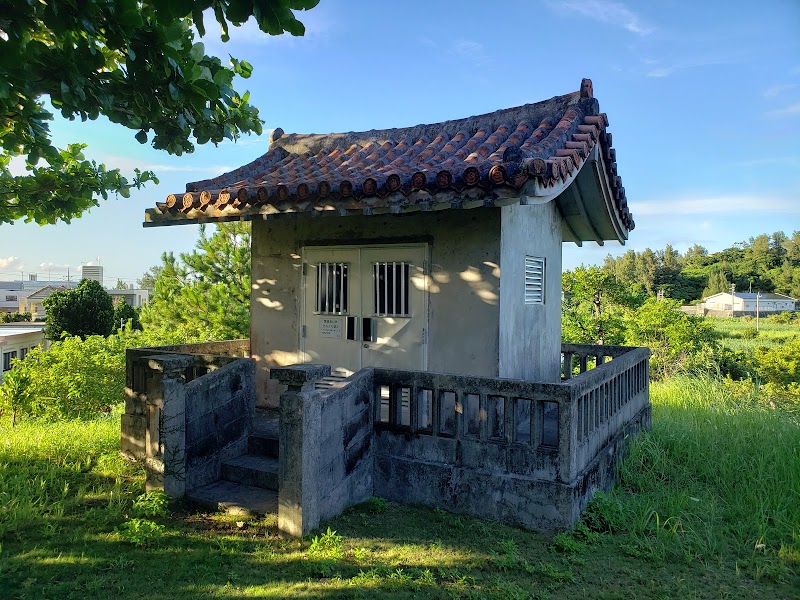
141	137
197	52
197	18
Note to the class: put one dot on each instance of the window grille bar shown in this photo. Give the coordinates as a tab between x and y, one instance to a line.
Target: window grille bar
403	300
375	279
332	293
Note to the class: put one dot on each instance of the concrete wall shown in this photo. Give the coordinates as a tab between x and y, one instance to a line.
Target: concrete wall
530	334
219	413
338	448
325	447
464	284
184	415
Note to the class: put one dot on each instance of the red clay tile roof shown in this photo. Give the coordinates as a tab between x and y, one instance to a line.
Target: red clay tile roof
473	161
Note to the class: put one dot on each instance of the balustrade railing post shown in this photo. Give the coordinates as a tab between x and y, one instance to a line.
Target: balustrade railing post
299	448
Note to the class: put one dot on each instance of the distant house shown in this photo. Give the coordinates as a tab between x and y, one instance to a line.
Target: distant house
10	299
16	340
134	297
33	302
744	303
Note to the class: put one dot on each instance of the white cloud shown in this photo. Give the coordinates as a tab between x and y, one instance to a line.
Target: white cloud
51	266
17	166
717	205
603	11
787	111
661	72
473	51
125	163
12	263
781	161
778	89
709	60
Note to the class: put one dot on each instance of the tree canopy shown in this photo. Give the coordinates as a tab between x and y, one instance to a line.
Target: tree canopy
136	62
205	292
82	311
125	313
766	263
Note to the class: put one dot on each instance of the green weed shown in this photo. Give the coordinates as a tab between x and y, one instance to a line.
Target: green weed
328	545
151	504
140	532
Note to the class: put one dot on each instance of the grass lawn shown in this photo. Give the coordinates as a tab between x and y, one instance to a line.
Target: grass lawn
708	506
740	333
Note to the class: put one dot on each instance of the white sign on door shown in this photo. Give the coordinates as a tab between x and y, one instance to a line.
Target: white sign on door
330	327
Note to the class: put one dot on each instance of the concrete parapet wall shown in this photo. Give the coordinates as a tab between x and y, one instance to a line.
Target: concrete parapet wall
325	447
185	414
219	413
531	454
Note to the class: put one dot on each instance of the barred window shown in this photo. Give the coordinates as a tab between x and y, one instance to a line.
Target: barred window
390	284
332	288
7	358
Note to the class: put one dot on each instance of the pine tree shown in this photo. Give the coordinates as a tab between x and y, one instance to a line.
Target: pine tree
206	291
717	283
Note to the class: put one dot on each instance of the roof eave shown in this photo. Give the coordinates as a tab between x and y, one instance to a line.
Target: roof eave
588	206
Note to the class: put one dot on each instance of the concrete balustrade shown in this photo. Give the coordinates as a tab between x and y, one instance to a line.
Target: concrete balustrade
521	452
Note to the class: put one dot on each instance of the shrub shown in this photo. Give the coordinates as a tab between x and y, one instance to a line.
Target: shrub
748	333
83	311
15	317
151	504
784	317
677	341
780	365
14	394
75	378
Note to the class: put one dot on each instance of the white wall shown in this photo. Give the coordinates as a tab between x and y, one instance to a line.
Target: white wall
464	284
530	334
15	339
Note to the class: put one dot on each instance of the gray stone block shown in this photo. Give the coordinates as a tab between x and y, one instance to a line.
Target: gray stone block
298	375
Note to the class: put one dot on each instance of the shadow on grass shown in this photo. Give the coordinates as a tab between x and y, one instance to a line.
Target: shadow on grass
402	551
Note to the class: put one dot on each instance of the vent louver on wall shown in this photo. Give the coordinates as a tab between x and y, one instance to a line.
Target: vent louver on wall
534	280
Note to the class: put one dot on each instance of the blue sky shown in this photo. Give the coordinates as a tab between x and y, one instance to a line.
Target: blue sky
703	99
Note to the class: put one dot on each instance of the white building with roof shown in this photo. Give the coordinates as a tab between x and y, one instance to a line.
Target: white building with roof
16	340
133	296
750	302
33	302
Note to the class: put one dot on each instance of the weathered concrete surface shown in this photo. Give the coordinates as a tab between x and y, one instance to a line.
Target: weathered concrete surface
463	285
484	490
530	334
325	458
219	412
236	498
252	469
184	415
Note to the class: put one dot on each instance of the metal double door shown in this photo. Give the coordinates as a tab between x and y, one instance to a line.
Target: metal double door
365	306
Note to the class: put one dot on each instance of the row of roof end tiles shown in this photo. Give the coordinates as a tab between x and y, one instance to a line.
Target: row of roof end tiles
513	171
365	206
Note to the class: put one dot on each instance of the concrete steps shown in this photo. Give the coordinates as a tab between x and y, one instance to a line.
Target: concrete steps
236	499
252	469
249	483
